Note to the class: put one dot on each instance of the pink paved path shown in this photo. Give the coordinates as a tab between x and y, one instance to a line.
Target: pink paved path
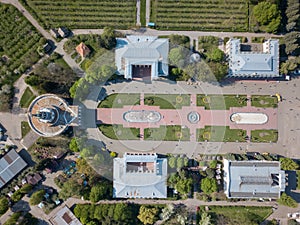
179	117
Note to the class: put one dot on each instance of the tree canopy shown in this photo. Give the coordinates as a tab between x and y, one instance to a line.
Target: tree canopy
99	192
267	14
209	185
288	164
3	205
148	215
37	197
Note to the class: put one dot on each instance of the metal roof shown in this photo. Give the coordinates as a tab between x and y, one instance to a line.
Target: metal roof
257	64
253	179
10	165
140	183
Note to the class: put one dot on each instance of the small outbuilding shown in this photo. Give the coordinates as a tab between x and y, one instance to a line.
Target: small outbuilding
83	50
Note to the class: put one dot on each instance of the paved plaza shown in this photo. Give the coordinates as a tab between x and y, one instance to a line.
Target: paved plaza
180	117
286	117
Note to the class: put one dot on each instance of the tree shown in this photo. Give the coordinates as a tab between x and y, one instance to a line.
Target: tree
213	164
209	185
167	212
3	205
147	215
210	172
184	185
99	192
177	57
108	38
37	197
172	162
180	163
25	188
288	164
70	188
216	55
17	196
100	74
287	201
288	66
205	219
267	14
73	145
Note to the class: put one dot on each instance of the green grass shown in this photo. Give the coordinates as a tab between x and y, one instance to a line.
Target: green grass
83	13
26	98
143	13
257	39
264	101
221	102
118	132
119	100
298	179
239	215
264	135
25	128
167	133
220	134
216	15
167	101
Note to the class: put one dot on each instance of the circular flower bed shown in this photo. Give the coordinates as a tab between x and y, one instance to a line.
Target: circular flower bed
206	135
206	99
179	99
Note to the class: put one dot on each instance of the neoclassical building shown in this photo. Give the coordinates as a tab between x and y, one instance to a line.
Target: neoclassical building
142	56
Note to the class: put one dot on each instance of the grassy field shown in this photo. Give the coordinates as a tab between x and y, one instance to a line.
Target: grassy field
220	134
119	100
264	135
167	101
221	102
83	14
118	132
167	133
264	101
208	15
25	128
238	215
26	98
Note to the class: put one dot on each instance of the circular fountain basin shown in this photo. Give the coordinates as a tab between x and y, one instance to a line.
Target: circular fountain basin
249	118
193	117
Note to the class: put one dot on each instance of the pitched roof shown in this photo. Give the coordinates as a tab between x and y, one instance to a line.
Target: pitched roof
140	175
10	165
83	50
253	179
261	64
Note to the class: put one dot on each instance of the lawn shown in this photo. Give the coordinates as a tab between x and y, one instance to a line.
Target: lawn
167	133
118	132
264	135
214	15
85	14
25	128
27	98
143	13
221	102
220	134
120	100
239	215
264	101
167	101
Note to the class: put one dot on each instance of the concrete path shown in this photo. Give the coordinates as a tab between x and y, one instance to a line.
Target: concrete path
138	13
148	11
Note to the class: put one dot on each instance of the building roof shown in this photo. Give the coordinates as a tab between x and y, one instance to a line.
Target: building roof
253	64
64	217
83	50
142	50
50	115
10	165
34	179
253	179
140	175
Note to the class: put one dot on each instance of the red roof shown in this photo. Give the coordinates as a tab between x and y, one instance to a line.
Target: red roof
83	50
